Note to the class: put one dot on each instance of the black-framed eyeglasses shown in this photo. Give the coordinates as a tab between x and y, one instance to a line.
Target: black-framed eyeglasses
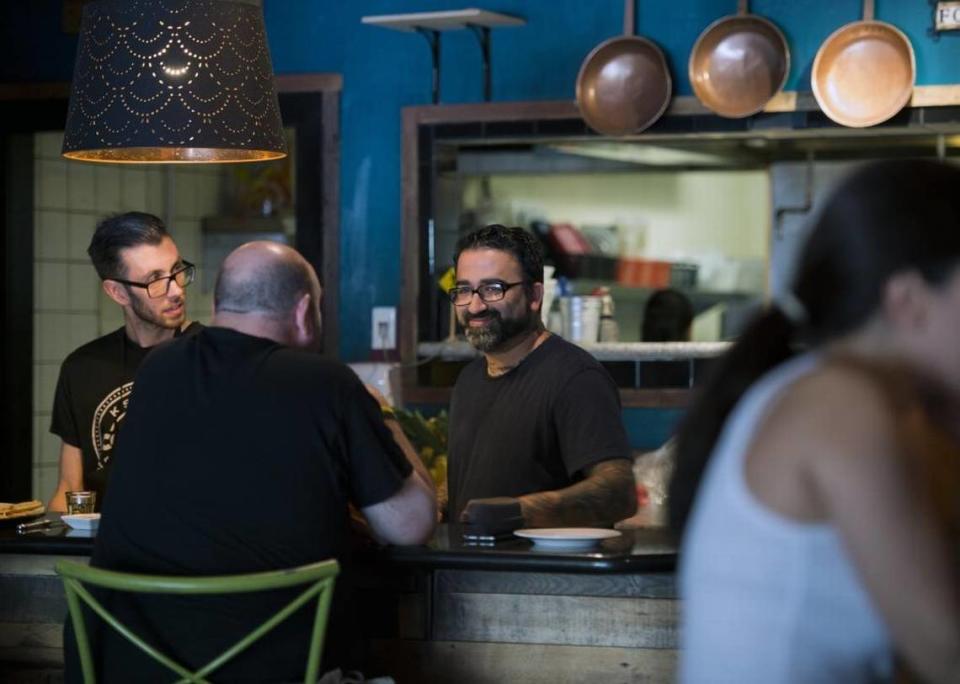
158	287
488	292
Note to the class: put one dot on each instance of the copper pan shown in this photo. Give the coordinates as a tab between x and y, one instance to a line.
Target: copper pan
738	63
624	84
863	73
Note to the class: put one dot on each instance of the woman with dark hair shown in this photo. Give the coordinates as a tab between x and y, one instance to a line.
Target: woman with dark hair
818	471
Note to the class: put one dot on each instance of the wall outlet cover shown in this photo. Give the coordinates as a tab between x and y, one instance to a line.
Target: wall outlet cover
383	328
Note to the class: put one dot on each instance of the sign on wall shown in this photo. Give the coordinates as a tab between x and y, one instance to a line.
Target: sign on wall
947	17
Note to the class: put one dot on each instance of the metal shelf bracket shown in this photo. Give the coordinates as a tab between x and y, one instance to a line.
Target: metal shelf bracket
431	24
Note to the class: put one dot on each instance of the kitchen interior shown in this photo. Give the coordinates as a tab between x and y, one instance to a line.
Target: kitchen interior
679	210
716	207
725	214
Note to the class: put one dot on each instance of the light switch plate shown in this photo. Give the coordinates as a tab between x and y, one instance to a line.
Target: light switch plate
383	327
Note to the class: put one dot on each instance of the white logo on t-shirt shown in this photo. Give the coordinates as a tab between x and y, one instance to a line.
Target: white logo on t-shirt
106	423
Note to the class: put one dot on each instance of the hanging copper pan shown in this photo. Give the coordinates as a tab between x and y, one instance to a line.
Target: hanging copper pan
738	63
624	84
863	73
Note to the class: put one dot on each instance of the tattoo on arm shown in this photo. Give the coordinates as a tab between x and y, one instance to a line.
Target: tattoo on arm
606	495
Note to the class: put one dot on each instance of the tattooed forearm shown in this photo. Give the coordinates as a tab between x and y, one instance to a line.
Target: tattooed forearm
605	496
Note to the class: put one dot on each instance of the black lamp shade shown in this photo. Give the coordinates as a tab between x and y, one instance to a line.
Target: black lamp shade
173	81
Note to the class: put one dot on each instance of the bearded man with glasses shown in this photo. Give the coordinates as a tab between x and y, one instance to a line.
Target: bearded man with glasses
142	271
535	419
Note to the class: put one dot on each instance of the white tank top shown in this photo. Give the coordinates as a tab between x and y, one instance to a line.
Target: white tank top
767	599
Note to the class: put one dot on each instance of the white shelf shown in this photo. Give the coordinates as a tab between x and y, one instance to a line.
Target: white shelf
461	350
443	21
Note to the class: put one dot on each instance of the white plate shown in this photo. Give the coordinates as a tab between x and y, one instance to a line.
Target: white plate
82	521
567	537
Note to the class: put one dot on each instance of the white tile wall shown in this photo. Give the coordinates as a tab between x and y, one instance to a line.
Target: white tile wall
186	233
52	185
57	334
51	286
44	386
196	195
134	190
45	478
81	187
49	445
70	308
82	287
51	235
47	145
156	192
79	229
208	193
185	192
108	182
39	427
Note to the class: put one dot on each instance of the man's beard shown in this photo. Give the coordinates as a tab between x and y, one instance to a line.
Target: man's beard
499	330
148	315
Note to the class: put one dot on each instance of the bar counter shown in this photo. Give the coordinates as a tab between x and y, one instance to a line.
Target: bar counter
649	549
446	611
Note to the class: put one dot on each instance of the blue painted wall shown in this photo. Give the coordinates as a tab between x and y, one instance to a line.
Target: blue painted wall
384	71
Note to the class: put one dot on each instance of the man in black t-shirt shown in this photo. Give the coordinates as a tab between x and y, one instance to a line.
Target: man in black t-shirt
142	272
535	418
241	450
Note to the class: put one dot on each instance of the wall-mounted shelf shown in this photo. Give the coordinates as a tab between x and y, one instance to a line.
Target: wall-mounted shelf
461	350
647	374
443	21
430	24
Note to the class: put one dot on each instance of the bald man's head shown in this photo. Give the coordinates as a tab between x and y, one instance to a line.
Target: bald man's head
265	278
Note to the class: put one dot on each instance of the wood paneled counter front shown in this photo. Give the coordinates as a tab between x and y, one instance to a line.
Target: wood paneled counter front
442	612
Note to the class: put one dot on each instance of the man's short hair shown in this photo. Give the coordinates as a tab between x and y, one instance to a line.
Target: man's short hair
272	288
524	247
119	232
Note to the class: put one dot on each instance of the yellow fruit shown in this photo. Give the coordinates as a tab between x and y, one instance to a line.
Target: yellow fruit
439	470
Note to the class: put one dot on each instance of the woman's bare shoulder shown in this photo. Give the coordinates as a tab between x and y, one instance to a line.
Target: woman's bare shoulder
839	397
835	422
834	411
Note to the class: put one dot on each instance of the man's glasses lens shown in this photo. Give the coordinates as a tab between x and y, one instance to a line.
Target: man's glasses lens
160	286
491	292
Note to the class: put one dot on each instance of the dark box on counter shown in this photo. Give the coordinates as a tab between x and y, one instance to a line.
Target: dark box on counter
590	266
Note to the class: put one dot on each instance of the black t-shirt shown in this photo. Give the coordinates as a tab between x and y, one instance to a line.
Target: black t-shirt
533	429
238	455
91	399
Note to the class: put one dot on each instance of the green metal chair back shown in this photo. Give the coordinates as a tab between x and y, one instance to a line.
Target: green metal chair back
321	576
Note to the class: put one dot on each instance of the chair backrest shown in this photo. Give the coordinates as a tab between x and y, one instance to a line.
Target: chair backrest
321	576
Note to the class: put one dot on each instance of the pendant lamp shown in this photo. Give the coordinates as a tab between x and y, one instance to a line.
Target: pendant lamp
173	81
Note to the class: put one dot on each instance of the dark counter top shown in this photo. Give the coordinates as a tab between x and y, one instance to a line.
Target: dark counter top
649	549
57	539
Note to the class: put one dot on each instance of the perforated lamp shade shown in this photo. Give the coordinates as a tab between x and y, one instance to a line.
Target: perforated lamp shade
169	81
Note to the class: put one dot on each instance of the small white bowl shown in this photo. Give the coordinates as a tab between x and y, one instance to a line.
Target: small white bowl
82	521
